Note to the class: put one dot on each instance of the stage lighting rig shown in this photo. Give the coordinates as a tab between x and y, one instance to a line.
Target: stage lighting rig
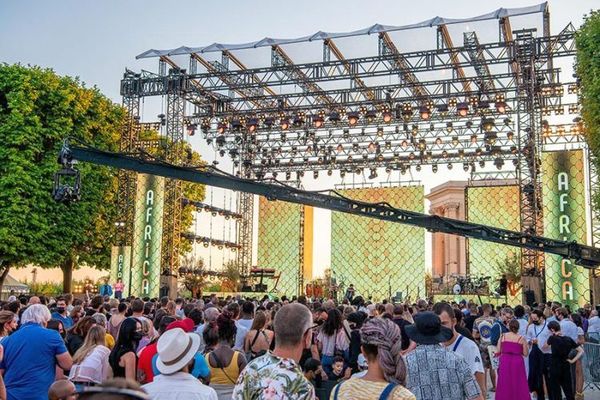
67	180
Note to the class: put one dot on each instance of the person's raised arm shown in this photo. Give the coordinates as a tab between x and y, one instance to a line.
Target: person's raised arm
577	356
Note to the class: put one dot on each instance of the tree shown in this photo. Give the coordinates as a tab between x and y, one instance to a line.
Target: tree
38	109
193	277
510	268
587	41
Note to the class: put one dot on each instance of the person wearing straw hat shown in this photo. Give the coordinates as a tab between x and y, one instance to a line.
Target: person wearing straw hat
449	377
176	351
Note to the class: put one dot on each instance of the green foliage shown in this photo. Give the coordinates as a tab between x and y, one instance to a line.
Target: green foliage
587	41
38	109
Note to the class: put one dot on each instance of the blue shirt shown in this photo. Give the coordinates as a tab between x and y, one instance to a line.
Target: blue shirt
29	361
497	330
200	370
66	321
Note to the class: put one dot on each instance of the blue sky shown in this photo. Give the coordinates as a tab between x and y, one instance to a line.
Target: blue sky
96	40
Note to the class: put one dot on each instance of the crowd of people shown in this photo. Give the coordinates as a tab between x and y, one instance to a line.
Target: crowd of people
296	348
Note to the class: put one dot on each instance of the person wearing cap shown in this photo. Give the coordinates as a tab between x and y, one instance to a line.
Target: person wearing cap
176	352
449	377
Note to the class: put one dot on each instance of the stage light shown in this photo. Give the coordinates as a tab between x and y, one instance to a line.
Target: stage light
252	124
371	115
284	124
442	108
487	124
205	126
407	111
236	125
342	173
404	144
572	89
483	104
462	109
221	127
334	117
455	140
418	168
388	170
501	107
466	167
373	174
444	154
329	172
449	127
510	135
315	174
339	148
424	112
372	147
380	131
473	139
317	121
499	162
450	166
481	164
422	144
490	137
353	117
402	169
438	141
478	151
387	116
269	122
298	120
434	168
411	156
191	129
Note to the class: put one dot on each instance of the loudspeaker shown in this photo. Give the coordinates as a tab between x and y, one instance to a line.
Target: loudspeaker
529	297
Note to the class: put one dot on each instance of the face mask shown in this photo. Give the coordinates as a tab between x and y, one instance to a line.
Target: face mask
535	322
60	310
137	336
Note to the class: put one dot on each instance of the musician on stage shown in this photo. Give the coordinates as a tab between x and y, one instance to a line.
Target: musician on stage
350	292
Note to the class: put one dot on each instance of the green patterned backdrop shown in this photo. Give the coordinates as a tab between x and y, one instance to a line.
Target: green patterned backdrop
279	241
147	236
120	266
563	188
380	257
496	206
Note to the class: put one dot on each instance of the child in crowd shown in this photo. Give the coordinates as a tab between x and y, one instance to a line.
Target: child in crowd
338	372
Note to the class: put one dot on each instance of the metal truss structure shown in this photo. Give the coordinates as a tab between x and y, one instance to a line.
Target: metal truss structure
471	103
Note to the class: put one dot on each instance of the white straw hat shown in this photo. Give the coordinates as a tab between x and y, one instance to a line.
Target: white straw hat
175	350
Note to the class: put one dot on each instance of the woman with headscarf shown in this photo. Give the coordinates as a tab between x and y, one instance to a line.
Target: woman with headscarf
381	346
123	358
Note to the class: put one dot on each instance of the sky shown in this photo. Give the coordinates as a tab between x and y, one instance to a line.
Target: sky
97	40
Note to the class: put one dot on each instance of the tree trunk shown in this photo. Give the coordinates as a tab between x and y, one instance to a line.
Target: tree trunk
67	268
4	274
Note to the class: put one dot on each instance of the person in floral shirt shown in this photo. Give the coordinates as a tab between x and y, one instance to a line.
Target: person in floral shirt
277	375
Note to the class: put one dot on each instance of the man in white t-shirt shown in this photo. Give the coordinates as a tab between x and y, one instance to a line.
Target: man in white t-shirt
461	345
594	322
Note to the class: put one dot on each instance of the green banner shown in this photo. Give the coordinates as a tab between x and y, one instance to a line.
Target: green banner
147	236
565	209
120	267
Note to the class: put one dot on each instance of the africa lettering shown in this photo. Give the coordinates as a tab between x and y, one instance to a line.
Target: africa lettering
564	229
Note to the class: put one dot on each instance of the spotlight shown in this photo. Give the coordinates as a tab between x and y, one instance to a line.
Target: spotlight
298	120
205	126
387	116
510	135
499	162
449	166
269	122
380	131
284	124
490	137
455	140
373	174
418	167
353	117
191	129
442	108
236	125
334	117
481	164
466	167
339	148
407	111
424	112
342	173
329	172
221	127
488	124
473	139
371	115
483	104
317	121
449	127
462	109
288	175
315	174
434	168
372	147
501	107
252	124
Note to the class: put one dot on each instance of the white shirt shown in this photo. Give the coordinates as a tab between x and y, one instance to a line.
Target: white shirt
541	333
468	350
240	335
594	325
179	386
568	328
93	368
523	326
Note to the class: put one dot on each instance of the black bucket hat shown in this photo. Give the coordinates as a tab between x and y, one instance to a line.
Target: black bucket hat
428	329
